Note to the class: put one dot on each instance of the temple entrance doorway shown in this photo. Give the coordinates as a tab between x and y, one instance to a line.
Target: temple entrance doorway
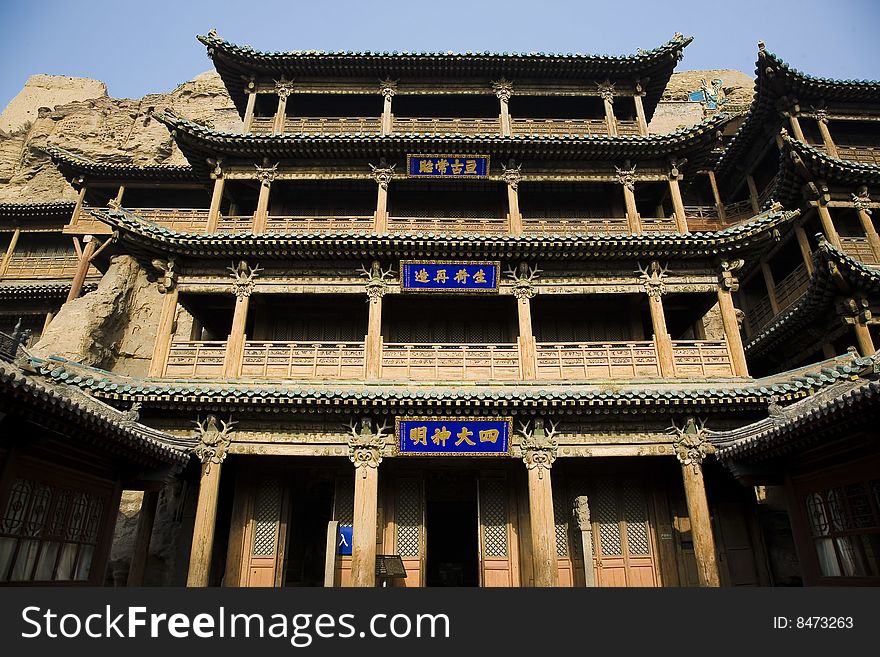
452	533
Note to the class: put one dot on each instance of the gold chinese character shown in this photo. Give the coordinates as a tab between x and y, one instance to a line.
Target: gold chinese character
464	437
441	276
489	436
456	167
462	276
422	275
440	437
419	436
480	277
470	166
426	166
441	165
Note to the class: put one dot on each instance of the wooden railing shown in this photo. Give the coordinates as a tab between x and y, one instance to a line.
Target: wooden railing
303	360
658	224
196	359
480	126
760	313
320	124
243	223
863	154
859	248
705	358
764	196
484	225
42	266
790	288
302	224
558	127
606	226
187	220
451	362
596	360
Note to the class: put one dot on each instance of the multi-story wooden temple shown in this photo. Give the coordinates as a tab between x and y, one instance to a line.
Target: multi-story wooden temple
444	319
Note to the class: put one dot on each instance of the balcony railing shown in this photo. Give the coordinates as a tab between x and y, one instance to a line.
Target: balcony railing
481	126
577	127
706	358
303	360
187	220
863	154
596	360
606	226
484	225
788	291
243	223
196	360
319	125
859	248
302	224
658	224
43	266
456	362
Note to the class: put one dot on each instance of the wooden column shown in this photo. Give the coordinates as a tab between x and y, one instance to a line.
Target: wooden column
504	90
235	344
375	292
662	339
585	525
796	128
164	332
216	200
606	90
863	339
7	257
512	175
49	316
382	175
365	451
701	525
678	205
141	551
771	287
206	519
80	199
830	146
727	284
387	88
828	225
862	202
82	269
119	194
803	244
266	176
719	206
249	109
539	453
753	194
640	110
629	199
283	90
527	348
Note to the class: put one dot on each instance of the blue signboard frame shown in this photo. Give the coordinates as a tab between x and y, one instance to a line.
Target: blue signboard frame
416	436
453	280
447	166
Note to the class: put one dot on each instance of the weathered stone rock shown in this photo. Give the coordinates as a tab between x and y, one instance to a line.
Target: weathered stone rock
46	91
113	327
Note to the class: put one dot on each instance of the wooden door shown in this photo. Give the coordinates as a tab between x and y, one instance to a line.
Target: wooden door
265	535
497	541
408	510
624	550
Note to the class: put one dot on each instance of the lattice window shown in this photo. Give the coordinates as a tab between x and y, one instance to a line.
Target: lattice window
493	516
344	503
636	517
409	518
603	505
267	511
561	521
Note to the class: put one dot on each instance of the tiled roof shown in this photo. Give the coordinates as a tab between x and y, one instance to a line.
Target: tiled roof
789	427
653	67
199	142
39	210
73	166
139	234
32	289
87	418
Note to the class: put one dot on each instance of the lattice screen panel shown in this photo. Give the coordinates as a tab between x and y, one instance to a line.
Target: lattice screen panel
636	516
603	505
561	521
267	510
493	516
409	518
344	502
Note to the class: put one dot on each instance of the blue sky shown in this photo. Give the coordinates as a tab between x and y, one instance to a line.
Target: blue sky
149	45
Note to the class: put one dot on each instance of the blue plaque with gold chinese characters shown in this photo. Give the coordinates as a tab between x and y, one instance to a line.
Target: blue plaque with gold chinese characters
441	436
447	166
449	275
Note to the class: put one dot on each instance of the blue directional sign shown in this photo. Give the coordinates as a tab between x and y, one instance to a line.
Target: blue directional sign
343	540
449	276
433	436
